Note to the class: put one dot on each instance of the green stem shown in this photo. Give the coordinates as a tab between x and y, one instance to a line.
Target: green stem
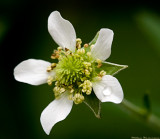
142	114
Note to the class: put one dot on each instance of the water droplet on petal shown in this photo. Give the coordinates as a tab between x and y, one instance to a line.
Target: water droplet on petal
107	91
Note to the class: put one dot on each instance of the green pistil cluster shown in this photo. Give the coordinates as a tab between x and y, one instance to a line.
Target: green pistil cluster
74	72
69	69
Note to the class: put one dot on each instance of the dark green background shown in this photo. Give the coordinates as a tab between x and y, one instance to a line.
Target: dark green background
24	35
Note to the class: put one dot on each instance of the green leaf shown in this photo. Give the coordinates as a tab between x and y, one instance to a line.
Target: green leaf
93	103
88	49
111	68
94	39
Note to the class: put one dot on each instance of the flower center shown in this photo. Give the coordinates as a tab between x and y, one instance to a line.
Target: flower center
69	70
74	72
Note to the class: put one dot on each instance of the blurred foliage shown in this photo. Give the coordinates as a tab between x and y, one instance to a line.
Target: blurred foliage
147	102
3	29
149	24
27	37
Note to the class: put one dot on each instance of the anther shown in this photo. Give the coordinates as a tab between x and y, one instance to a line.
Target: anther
87	73
86	87
70	97
66	49
50	80
53	56
81	51
53	65
89	54
86	45
59	49
91	46
102	73
99	63
78	98
78	43
49	69
58	91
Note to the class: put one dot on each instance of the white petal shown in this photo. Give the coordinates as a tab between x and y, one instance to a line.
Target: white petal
32	71
62	31
56	111
102	47
108	89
